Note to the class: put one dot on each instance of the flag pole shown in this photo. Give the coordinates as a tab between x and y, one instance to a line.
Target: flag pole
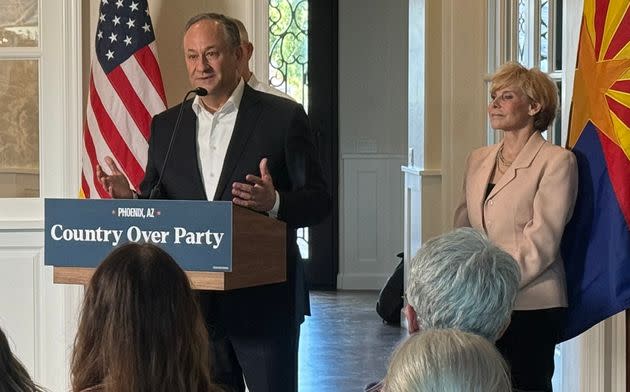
627	350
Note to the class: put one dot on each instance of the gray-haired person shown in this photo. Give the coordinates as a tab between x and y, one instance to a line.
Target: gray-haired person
460	280
247	75
447	360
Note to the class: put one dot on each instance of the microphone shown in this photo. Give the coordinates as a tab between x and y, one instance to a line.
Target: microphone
156	191
202	92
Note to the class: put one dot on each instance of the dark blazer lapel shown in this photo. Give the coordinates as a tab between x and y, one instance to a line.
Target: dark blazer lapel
187	135
246	119
523	159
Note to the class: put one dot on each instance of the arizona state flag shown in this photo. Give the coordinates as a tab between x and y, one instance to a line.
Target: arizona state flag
596	243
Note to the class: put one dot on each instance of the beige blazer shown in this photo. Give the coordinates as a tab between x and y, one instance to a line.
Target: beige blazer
525	214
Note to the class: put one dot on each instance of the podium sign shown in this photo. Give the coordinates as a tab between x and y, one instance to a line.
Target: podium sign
81	233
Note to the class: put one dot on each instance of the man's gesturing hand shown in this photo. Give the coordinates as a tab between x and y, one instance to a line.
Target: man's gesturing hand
115	184
259	195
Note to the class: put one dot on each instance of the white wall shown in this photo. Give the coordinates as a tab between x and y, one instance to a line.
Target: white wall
373	76
372	137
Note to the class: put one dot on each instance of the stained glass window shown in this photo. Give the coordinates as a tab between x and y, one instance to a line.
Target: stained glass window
288	48
544	36
288	64
522	32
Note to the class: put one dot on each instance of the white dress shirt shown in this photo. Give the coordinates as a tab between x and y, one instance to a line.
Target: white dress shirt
214	132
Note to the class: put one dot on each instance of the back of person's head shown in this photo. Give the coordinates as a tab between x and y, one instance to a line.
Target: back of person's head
242	31
247	46
141	328
447	360
13	375
461	280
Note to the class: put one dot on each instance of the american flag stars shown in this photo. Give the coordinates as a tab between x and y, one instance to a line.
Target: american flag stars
126	29
126	91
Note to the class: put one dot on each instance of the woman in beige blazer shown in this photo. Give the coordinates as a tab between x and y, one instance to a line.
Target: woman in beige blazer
521	193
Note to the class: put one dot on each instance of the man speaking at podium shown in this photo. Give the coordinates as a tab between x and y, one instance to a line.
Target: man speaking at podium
256	150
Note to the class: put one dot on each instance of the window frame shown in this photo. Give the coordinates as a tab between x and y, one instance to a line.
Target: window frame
59	54
503	46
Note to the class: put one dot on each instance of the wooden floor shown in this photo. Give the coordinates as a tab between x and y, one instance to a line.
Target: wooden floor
344	345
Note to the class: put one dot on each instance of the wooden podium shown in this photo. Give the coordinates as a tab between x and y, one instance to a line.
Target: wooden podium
258	257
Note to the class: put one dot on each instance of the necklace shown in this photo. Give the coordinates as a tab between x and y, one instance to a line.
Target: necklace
499	167
501	159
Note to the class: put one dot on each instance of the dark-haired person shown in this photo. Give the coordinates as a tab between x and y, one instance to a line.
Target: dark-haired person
140	328
258	151
521	193
13	375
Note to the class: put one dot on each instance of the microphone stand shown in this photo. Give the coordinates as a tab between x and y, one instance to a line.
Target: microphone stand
156	192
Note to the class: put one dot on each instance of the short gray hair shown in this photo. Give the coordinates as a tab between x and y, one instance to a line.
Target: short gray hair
447	360
241	30
461	280
230	28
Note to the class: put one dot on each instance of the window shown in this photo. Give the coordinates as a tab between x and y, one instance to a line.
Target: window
288	64
41	97
288	48
19	98
530	32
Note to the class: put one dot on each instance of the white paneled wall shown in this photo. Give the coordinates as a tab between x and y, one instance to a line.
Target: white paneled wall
38	317
18	306
371	213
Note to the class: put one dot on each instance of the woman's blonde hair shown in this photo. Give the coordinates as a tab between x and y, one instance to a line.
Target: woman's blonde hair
447	360
535	84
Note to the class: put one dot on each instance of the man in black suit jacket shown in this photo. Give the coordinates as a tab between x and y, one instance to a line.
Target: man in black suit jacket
271	166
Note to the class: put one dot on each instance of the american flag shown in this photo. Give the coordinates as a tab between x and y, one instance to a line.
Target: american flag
125	92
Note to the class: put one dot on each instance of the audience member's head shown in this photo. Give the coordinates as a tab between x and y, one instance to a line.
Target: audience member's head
462	281
248	50
447	360
141	329
13	375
